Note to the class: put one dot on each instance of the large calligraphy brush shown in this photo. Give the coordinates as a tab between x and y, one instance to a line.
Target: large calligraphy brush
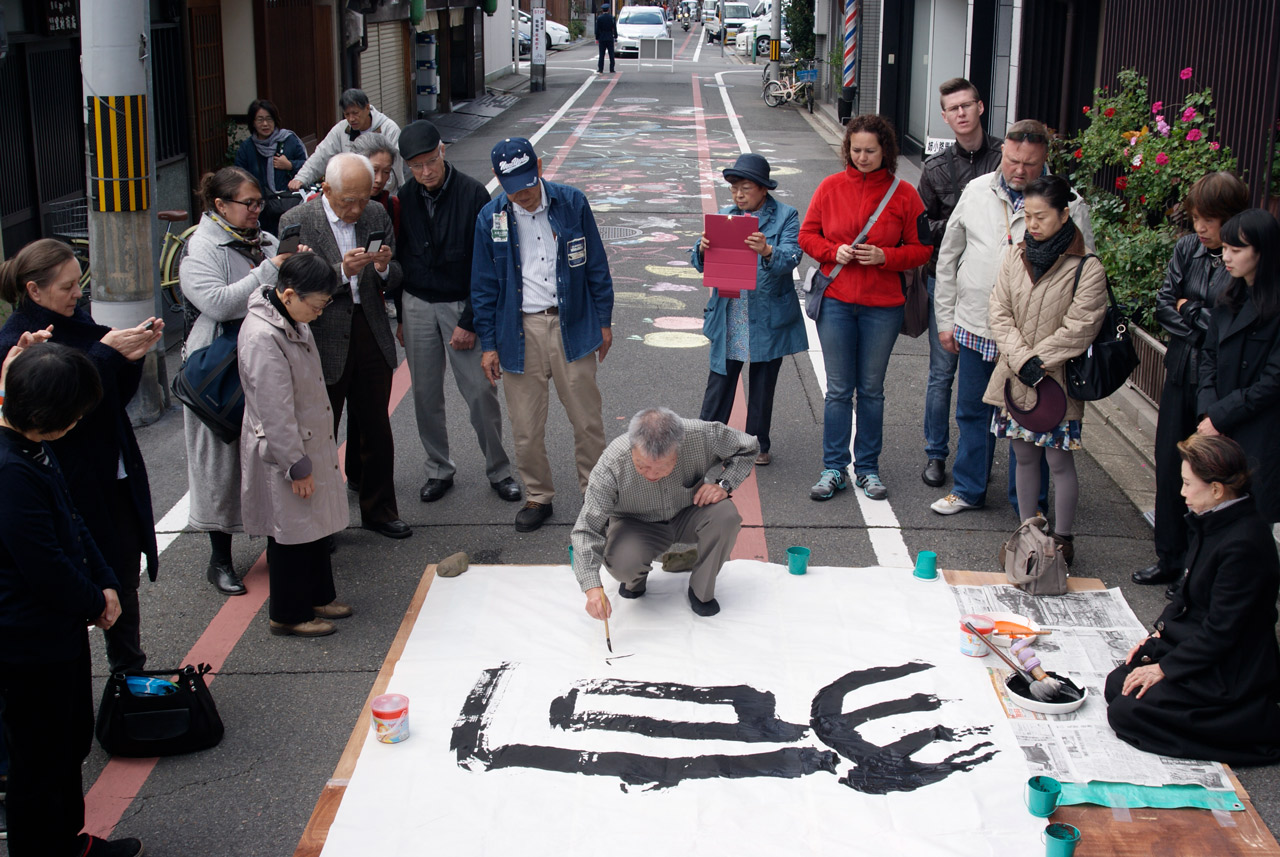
1043	686
604	613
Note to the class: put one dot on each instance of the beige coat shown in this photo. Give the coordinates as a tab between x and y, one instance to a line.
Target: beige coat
287	432
1043	319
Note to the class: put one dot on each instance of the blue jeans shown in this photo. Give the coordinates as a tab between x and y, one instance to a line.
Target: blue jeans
937	396
976	444
856	343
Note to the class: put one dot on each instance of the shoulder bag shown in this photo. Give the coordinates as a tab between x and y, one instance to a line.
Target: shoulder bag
1032	561
1110	360
816	282
209	385
915	312
143	717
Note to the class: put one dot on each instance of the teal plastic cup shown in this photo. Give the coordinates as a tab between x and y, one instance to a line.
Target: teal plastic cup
926	565
797	560
1042	795
570	556
1060	840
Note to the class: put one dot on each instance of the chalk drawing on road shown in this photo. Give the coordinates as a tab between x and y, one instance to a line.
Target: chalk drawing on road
672	287
675	339
668	271
678	322
636	100
640	299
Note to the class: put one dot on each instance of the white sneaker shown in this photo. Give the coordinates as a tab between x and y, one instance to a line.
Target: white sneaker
951	504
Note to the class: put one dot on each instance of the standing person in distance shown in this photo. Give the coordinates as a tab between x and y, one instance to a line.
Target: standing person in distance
1194	280
606	36
1239	393
945	174
228	258
435	249
543	304
764	324
358	117
861	311
292	492
272	154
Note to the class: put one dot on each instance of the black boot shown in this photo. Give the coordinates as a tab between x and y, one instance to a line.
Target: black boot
224	578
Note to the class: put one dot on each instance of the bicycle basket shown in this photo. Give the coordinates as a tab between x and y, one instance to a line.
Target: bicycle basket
809	75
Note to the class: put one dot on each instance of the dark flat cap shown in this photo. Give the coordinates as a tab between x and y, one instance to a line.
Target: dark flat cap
418	138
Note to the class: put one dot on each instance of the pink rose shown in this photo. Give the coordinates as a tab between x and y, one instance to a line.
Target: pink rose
1188	114
1157	107
1162	159
1162	126
1193	135
1215	146
1185	74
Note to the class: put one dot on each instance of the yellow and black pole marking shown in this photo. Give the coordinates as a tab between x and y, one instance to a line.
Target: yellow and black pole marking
775	50
118	153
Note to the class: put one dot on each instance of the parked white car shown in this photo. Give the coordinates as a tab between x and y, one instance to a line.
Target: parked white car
757	30
735	16
639	22
557	34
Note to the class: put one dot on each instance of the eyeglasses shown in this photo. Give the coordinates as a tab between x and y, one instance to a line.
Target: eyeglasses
961	108
324	305
251	204
264	120
1027	137
423	166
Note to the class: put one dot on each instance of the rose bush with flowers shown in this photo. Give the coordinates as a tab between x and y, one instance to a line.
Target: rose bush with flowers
1160	148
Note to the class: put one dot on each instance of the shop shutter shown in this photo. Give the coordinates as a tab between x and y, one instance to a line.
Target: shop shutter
383	73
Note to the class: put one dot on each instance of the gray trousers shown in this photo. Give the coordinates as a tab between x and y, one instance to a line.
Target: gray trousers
631	545
427	329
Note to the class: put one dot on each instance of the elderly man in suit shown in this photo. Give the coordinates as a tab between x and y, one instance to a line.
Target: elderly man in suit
357	349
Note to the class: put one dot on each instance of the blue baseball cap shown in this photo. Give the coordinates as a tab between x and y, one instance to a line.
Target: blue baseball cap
515	163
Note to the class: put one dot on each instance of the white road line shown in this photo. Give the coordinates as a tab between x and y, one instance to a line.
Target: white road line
550	123
743	145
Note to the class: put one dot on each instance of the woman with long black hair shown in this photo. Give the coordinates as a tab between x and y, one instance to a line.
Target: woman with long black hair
1239	394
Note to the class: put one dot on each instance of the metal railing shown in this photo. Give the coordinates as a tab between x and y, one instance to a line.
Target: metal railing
1148	378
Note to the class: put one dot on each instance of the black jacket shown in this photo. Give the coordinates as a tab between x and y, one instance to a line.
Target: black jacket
435	249
606	30
1240	391
90	454
1192	275
943	178
51	572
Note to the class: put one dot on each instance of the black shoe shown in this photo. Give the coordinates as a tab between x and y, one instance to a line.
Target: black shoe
224	578
507	489
435	489
331	543
95	847
531	516
396	529
353	485
703	608
1154	574
935	472
631	593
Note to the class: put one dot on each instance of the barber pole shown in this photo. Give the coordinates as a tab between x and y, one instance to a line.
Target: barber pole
850	41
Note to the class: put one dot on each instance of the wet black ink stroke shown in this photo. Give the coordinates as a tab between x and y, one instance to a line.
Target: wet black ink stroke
756	711
890	768
473	752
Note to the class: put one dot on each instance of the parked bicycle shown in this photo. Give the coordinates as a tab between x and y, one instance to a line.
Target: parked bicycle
796	85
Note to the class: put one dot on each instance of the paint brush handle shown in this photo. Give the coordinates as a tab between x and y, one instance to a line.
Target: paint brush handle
604	614
1022	633
1013	665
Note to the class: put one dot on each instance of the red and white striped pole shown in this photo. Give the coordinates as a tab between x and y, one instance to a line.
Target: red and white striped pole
850	42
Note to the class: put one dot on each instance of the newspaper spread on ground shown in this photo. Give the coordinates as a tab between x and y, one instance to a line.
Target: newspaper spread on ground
1092	633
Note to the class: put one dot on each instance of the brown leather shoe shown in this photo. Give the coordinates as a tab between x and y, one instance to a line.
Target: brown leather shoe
1067	544
333	610
763	459
314	628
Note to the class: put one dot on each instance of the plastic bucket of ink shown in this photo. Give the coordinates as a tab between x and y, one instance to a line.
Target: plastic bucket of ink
390	718
971	644
1060	840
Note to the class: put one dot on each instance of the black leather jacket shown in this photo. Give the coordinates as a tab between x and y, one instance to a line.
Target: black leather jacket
1191	275
943	178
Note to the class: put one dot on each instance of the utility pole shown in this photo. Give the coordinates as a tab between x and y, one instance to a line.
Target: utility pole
120	129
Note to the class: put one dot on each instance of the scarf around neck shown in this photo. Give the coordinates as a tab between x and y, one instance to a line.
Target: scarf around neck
246	242
266	147
1042	254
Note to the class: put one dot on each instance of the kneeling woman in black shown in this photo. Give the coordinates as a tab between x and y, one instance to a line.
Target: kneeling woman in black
1206	683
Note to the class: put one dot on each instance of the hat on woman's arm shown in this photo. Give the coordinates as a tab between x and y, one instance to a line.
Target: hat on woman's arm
751	167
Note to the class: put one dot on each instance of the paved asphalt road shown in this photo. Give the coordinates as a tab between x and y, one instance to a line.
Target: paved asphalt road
639	143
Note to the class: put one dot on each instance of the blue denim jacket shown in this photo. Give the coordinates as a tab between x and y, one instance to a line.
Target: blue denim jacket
584	289
775	325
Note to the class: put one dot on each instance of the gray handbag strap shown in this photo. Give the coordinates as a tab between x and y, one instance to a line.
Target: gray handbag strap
875	215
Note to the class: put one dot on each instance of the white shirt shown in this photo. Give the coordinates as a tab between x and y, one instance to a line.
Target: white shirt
345	234
537	255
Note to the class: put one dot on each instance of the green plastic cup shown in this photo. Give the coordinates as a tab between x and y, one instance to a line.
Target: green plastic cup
926	565
1060	840
1042	795
797	560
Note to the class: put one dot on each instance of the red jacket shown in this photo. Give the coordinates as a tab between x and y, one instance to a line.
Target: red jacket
841	206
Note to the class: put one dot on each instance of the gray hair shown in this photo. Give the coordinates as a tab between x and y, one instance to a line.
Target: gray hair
656	432
353	98
374	144
340	164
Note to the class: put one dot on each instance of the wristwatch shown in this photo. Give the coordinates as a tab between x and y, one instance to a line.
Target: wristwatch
724	483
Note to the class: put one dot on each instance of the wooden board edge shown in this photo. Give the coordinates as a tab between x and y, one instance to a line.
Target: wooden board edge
316	832
959	577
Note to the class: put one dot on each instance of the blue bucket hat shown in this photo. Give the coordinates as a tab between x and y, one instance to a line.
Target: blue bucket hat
752	167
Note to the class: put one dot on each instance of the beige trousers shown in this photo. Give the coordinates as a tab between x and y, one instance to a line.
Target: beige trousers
527	397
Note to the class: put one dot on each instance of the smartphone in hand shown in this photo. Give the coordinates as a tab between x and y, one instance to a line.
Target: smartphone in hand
289	239
375	242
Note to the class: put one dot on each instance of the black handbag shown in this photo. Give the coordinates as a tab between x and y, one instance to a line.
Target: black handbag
209	384
143	726
915	312
1110	360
